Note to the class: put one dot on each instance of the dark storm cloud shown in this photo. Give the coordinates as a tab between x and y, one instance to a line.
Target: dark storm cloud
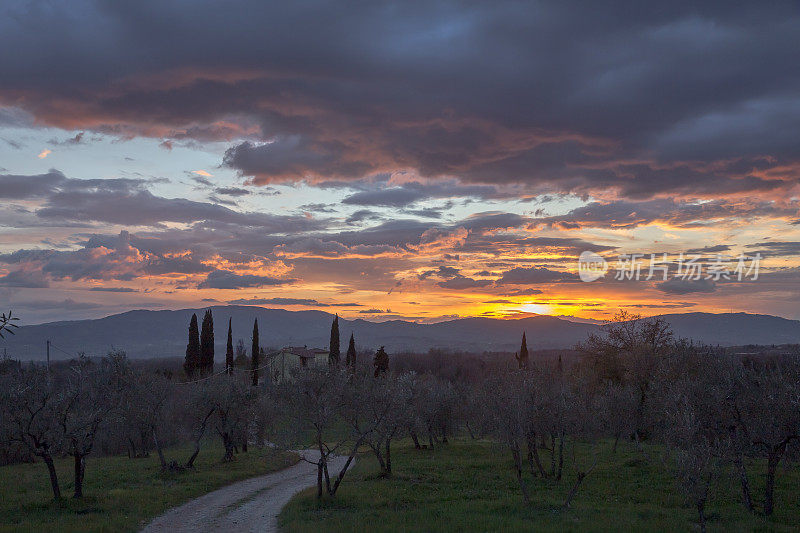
523	275
362	215
775	248
717	248
101	257
442	272
232	191
686	286
397	197
226	279
24	278
128	202
569	96
625	214
463	283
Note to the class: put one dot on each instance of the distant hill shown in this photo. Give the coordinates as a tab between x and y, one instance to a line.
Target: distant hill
163	333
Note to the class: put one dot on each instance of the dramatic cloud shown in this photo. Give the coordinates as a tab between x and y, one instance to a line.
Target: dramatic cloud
686	286
463	282
24	278
779	248
554	94
523	276
128	202
447	154
225	279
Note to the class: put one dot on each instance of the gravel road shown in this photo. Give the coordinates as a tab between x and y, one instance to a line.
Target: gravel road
252	505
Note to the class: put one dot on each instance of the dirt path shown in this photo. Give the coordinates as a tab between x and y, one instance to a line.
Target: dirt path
252	505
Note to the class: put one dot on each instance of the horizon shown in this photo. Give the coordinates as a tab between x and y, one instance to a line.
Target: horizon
378	320
411	163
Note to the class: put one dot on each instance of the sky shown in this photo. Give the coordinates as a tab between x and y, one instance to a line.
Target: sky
399	160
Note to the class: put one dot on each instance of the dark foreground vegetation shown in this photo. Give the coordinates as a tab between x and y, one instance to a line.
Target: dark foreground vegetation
715	423
630	420
465	486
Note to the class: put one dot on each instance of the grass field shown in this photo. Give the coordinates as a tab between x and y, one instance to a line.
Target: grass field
469	486
121	494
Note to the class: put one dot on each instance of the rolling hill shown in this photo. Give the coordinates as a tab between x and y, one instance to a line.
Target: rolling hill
144	333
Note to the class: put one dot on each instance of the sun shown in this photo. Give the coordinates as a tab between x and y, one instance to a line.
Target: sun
539	309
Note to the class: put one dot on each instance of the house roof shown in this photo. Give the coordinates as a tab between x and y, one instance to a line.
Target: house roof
303	351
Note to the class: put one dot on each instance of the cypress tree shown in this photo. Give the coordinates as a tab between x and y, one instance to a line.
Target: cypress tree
522	356
351	353
335	349
381	362
190	364
256	351
207	343
229	350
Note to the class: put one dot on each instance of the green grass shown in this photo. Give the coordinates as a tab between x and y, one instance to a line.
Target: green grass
121	494
469	486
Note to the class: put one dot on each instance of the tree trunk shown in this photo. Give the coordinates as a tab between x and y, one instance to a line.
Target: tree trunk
159	450
515	453
533	457
415	439
616	441
701	514
80	468
469	430
227	442
200	433
51	468
578	480
327	477
747	498
319	479
574	489
773	459
379	456
388	456
560	456
144	440
343	471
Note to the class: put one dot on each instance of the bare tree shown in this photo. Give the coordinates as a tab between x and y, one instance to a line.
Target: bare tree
321	400
505	417
386	400
81	408
30	417
231	401
200	410
628	352
766	407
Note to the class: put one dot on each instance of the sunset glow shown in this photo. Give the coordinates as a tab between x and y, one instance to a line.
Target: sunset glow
220	175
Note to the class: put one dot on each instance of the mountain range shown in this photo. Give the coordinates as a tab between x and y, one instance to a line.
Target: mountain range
144	333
